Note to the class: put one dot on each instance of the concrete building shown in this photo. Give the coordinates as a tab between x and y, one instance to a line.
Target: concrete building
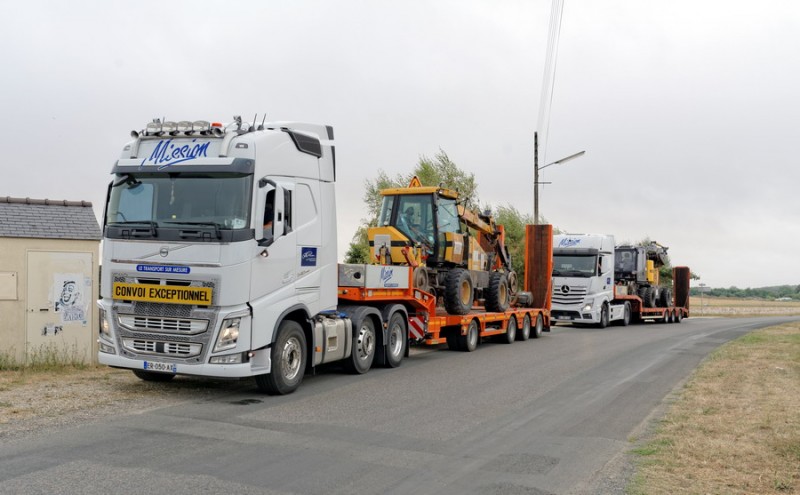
49	276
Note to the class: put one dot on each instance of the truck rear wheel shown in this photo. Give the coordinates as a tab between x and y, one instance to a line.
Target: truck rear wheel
497	295
524	333
363	354
289	356
458	292
396	341
626	314
469	342
678	315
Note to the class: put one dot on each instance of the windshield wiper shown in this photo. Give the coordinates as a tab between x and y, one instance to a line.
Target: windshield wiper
153	225
202	224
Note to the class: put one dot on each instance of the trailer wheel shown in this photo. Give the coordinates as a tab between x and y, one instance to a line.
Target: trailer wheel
469	342
539	327
603	316
458	292
397	341
289	355
678	316
151	376
363	354
525	332
511	331
626	314
497	293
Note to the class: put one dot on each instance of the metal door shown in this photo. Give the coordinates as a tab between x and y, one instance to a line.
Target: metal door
59	306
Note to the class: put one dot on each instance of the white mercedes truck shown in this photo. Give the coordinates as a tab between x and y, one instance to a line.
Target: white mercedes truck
596	282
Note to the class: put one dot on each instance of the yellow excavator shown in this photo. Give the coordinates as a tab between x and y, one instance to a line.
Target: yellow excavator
458	255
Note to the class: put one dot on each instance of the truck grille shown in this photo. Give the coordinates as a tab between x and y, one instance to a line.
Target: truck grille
568	295
184	326
177	349
175	332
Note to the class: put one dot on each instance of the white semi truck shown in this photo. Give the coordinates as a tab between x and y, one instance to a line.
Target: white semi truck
596	282
219	260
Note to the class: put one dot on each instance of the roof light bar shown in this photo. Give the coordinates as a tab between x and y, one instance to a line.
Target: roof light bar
153	128
169	128
181	128
201	126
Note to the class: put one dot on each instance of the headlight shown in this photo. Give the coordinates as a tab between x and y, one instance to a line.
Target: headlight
105	348
105	326
587	308
228	334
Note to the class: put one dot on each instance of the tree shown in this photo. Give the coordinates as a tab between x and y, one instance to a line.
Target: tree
514	223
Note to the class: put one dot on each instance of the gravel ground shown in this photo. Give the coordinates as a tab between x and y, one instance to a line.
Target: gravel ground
34	402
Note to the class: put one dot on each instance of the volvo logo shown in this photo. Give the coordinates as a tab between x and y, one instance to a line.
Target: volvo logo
565	289
164	252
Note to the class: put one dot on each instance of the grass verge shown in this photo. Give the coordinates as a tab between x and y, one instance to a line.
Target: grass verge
735	427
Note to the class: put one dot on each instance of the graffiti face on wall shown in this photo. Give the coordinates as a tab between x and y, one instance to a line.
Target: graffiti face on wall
68	297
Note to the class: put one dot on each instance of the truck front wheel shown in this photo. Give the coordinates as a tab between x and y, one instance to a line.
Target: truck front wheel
289	356
603	316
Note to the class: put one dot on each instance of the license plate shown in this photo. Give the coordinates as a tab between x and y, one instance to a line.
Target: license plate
155	366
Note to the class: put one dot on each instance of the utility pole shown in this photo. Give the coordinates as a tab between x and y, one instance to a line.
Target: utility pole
536	178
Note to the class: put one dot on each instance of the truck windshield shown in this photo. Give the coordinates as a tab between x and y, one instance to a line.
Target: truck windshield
574	266
177	200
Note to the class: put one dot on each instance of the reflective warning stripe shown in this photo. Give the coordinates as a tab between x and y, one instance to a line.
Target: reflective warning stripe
416	327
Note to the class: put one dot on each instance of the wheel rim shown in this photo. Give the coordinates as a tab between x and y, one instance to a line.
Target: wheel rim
395	340
365	344
502	295
526	326
472	334
511	328
291	356
539	326
466	293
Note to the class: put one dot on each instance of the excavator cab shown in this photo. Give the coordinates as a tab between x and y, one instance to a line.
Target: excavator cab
424	221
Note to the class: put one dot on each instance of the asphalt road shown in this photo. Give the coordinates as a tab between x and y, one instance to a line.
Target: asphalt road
553	415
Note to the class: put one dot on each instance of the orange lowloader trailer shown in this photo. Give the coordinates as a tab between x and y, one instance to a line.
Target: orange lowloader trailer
429	324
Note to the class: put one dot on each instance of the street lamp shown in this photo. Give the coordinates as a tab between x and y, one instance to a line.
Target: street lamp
536	169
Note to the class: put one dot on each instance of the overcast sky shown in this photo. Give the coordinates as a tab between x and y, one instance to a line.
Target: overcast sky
688	110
